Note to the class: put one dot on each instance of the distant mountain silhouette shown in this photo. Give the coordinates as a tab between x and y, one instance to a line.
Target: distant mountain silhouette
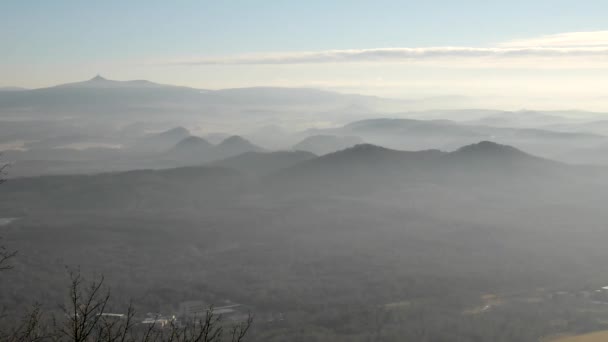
323	144
409	134
142	100
193	142
160	142
411	127
363	166
101	97
195	150
359	172
173	133
235	145
535	119
490	154
217	137
489	149
430	128
101	82
369	167
373	154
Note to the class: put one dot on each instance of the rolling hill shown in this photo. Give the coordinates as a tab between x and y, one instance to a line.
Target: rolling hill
264	163
323	144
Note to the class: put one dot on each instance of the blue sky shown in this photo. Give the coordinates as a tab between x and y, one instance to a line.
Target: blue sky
49	42
81	29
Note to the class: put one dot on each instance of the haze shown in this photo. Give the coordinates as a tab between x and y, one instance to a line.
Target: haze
303	171
534	55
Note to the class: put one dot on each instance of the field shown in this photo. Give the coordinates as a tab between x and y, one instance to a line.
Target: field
598	336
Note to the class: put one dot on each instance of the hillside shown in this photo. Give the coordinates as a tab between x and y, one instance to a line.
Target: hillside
422	233
264	163
323	144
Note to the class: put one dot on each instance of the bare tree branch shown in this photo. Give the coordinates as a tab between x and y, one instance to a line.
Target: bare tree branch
84	320
3	169
5	254
240	330
5	257
29	329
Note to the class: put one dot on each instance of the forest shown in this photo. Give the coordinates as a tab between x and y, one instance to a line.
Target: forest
362	244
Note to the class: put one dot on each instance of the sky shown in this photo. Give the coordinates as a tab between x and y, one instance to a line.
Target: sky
509	49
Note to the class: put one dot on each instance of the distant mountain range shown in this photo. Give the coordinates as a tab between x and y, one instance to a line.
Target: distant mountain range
195	150
362	170
99	82
323	144
178	147
104	113
178	143
172	148
410	134
451	128
369	167
101	97
158	142
192	145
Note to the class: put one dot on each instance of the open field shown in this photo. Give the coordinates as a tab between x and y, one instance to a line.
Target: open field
599	336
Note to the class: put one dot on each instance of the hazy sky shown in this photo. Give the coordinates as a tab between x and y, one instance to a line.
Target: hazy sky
393	48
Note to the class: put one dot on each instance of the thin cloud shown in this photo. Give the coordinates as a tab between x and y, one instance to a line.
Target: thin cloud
398	55
568	39
577	49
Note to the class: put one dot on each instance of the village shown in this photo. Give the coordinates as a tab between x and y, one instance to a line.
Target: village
193	311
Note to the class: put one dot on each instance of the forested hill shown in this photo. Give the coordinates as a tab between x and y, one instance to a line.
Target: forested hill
327	242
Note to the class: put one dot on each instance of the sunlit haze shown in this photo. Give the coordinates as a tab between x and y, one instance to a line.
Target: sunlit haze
303	171
520	54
